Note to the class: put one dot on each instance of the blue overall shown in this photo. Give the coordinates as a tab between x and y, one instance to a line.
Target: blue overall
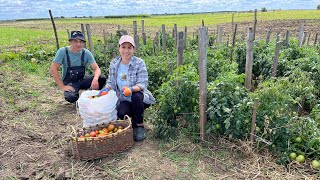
75	77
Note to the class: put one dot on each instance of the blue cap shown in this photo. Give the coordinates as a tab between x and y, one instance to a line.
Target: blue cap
77	35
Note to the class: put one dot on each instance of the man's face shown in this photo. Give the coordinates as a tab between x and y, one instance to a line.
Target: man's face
76	45
126	50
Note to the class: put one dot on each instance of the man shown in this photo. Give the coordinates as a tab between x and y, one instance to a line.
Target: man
74	59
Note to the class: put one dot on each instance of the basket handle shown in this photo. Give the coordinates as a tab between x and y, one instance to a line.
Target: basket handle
126	117
73	131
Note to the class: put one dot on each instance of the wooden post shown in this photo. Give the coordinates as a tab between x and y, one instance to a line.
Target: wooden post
203	81
233	41
308	38
249	59
232	22
164	46
286	43
315	39
275	60
301	31
185	36
136	41
119	27
255	24
202	23
84	34
68	33
180	48
305	34
54	29
135	28
153	47
254	117
278	36
89	38
175	34
144	38
220	35
105	56
157	39
268	35
142	26
104	37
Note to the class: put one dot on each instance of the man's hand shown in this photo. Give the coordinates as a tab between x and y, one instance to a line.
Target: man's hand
94	84
68	88
102	90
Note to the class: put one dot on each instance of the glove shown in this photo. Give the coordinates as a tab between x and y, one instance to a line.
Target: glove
102	90
126	91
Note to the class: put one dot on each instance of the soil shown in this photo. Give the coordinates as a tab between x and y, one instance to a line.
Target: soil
36	129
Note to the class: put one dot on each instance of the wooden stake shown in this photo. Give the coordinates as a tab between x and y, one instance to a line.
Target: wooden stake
275	59
255	24
54	29
249	59
203	80
164	46
254	117
89	38
84	35
180	48
233	41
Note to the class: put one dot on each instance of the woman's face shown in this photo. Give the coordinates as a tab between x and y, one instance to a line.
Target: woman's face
126	50
76	45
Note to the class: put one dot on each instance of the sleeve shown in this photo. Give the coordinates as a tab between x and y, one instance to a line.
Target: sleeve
59	56
111	77
142	76
89	57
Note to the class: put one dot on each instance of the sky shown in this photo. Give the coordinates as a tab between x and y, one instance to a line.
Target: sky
25	9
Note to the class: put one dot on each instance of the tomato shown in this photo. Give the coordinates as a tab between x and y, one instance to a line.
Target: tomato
93	134
298	139
103	93
300	158
315	164
293	155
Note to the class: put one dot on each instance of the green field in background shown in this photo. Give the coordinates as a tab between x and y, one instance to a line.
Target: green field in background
196	19
20	36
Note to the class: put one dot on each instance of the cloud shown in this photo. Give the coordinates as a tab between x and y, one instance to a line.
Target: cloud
19	9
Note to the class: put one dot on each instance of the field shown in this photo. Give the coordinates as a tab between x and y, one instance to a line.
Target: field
36	121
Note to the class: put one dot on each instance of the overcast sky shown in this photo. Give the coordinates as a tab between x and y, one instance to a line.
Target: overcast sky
22	9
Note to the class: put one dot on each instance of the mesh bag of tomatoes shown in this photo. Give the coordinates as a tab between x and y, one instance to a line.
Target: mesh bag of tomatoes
102	140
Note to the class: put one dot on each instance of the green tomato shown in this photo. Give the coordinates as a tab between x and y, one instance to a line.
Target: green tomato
218	126
298	139
293	155
300	158
315	164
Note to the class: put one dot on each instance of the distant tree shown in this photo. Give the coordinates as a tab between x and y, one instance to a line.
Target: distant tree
62	17
318	7
264	9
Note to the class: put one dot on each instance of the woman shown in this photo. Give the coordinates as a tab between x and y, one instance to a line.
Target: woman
128	76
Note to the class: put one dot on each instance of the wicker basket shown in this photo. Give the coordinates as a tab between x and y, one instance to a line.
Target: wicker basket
97	147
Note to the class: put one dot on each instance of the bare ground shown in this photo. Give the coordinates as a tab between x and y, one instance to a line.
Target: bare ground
35	132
